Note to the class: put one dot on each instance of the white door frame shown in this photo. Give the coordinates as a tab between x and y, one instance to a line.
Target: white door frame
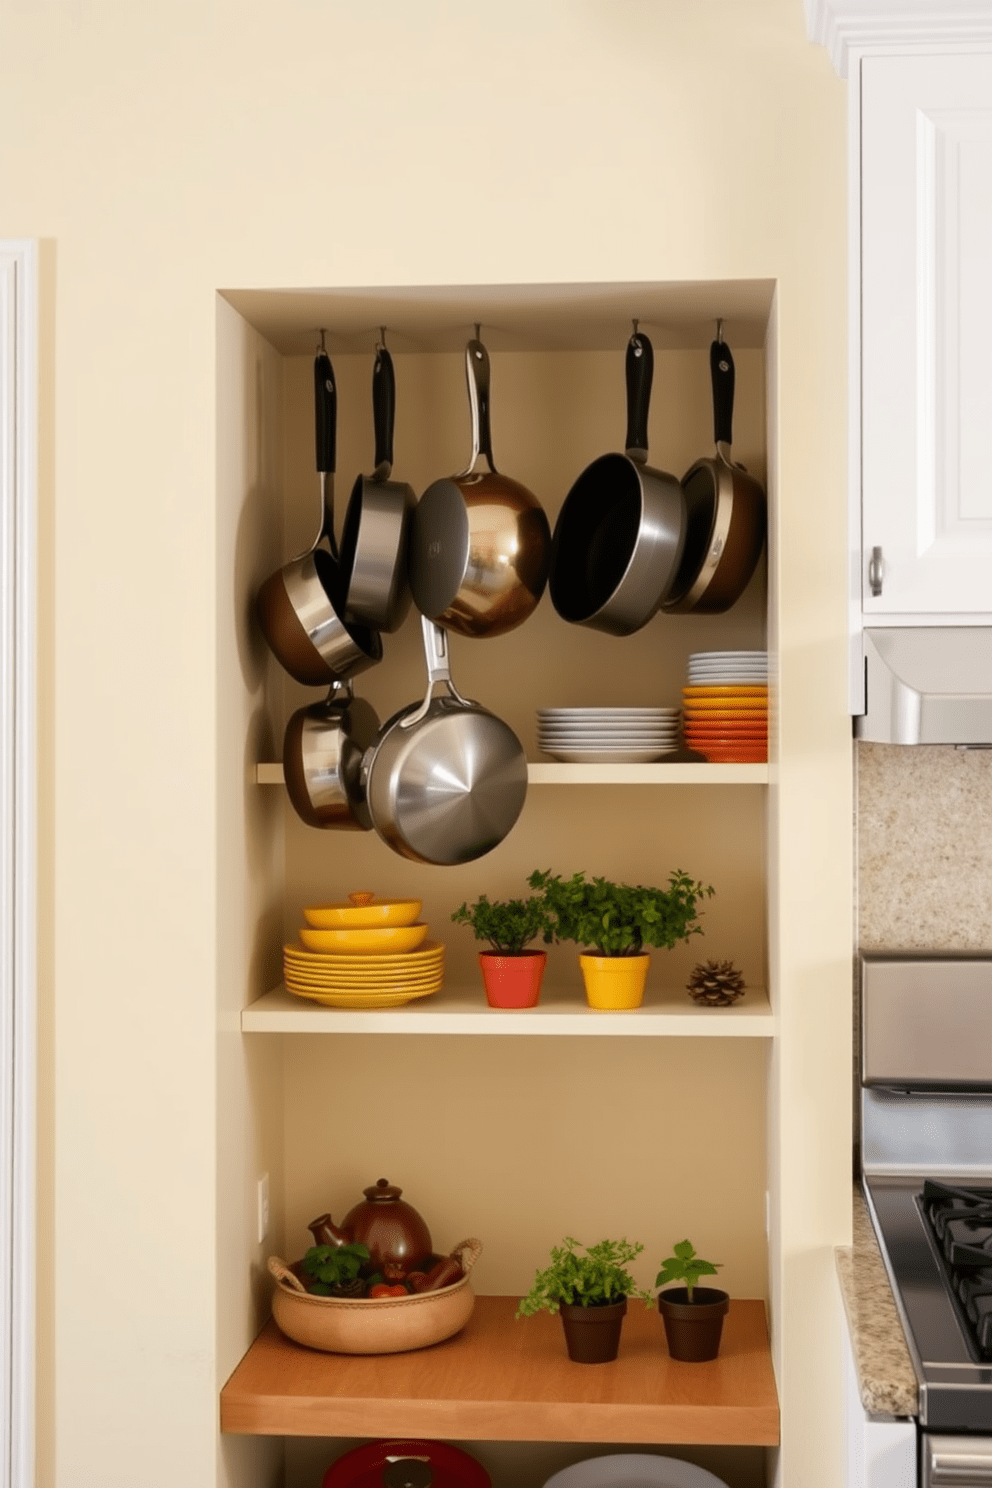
18	855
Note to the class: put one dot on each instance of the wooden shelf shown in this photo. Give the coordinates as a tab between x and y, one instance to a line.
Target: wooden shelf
560	1012
679	772
506	1380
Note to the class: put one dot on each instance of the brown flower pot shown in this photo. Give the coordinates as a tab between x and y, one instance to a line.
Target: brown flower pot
512	981
693	1329
592	1334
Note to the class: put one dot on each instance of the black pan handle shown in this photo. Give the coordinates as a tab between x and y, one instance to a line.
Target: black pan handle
640	373
383	412
722	375
325	412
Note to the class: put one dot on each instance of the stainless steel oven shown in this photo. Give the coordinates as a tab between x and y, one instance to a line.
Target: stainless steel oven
926	1143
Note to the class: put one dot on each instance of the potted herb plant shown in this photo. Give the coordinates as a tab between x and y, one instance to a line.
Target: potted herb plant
334	1270
511	971
693	1315
589	1293
616	922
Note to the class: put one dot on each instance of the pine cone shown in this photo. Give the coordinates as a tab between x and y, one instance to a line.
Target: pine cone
716	984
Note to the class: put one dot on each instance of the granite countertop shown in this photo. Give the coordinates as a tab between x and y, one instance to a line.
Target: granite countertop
886	1379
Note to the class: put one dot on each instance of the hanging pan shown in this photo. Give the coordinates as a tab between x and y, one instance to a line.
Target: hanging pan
725	512
619	535
301	606
480	542
322	760
445	779
377	522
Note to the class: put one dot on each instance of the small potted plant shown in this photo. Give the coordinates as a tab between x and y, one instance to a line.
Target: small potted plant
334	1270
589	1293
693	1315
511	972
615	922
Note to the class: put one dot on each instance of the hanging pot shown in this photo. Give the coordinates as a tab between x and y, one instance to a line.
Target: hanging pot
619	535
480	542
445	779
725	512
322	760
300	607
375	537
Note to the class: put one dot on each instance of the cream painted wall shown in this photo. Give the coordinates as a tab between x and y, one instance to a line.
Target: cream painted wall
161	155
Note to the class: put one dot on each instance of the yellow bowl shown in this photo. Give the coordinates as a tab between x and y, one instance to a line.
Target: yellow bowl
363	912
388	939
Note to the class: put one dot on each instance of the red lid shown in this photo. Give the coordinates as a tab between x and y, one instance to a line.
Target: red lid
379	1464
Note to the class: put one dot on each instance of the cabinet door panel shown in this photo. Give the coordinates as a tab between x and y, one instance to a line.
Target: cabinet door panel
927	332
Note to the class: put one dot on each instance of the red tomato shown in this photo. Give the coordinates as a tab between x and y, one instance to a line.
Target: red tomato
381	1289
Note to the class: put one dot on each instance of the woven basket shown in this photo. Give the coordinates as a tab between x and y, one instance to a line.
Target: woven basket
373	1325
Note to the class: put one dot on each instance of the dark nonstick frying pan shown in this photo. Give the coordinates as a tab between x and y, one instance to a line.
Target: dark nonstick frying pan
479	542
300	607
375	537
619	535
725	512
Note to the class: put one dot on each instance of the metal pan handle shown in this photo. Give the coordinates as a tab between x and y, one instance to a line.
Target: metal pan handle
438	670
477	375
325	425
640	374
383	413
722	376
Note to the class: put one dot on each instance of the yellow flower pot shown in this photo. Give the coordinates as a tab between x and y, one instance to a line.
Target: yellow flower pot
614	982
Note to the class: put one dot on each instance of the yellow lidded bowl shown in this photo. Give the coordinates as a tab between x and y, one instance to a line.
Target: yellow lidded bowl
362	912
390	939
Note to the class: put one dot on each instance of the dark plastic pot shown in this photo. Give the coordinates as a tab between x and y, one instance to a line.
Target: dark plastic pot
693	1328
592	1334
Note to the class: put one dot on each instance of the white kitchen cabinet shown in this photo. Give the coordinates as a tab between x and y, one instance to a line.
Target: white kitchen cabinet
926	333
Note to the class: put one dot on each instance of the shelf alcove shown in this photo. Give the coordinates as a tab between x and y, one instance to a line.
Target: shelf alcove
518	1139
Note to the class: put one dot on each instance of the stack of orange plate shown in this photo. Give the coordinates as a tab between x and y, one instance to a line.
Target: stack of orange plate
725	706
364	967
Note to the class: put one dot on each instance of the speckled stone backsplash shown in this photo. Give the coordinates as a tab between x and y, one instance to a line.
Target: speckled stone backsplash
924	847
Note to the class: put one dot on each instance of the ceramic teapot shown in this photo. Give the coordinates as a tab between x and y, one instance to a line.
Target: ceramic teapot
396	1236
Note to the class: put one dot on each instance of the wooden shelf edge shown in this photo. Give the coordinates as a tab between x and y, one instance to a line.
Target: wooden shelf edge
502	1380
560	1014
680	772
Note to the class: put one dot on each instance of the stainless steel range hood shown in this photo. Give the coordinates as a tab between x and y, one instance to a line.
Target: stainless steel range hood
927	685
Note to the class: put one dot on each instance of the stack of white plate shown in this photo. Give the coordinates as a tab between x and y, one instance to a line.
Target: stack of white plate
616	735
725	668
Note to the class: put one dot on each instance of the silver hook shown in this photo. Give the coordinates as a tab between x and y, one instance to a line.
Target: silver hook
634	323
478	330
381	343
322	348
719	331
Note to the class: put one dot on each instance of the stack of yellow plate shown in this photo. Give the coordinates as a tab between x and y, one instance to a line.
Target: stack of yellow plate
370	965
725	706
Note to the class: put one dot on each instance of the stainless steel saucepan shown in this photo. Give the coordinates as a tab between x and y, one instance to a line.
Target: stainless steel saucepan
300	607
375	537
480	543
322	754
445	779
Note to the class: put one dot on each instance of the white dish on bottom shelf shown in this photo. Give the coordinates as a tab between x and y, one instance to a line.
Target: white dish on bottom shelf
609	756
634	1470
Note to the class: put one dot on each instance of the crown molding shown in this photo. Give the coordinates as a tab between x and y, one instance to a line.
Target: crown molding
845	27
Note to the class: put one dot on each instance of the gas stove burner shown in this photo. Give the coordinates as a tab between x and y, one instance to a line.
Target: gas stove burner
961	1220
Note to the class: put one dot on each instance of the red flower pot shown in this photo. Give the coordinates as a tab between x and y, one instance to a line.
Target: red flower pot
512	981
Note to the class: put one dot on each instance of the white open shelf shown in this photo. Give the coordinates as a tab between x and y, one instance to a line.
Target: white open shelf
679	772
561	1011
